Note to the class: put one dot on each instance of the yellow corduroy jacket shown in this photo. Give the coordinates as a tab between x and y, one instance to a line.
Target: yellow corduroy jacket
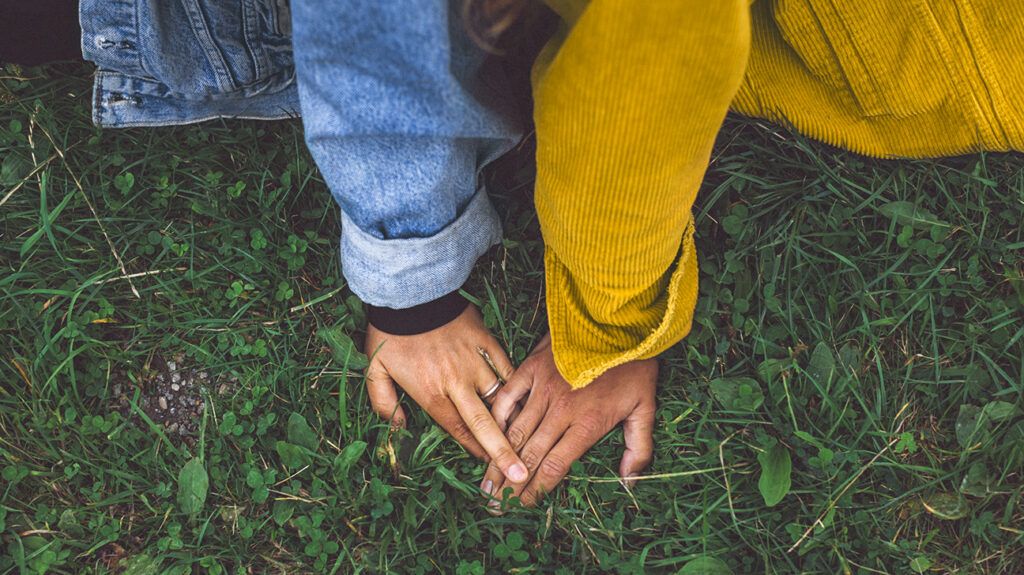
630	95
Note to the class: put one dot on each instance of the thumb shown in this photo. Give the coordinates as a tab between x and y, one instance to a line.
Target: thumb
638	429
383	397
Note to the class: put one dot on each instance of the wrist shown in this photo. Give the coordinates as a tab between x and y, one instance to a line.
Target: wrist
417	319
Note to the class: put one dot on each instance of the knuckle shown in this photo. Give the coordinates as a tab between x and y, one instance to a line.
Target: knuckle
434	397
516	435
530	458
460	432
504	456
645	459
589	424
563	405
480	420
553	467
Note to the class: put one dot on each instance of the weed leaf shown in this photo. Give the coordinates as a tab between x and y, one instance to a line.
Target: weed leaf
946	506
343	462
193	484
972	426
999	410
920	564
776	469
910	214
977	481
343	348
822	365
300	433
737	393
140	565
283	511
13	170
292	456
769	369
705	565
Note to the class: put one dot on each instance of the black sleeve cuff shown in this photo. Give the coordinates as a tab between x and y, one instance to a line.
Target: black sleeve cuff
417	319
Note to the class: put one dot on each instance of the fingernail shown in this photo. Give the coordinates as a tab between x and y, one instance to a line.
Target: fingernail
517	473
487	486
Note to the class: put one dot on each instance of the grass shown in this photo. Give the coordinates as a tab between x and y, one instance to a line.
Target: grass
860	318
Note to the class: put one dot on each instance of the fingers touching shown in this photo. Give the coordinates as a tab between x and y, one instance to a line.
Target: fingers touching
516	387
484	429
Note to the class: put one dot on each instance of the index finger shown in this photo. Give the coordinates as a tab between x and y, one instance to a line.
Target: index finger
481	424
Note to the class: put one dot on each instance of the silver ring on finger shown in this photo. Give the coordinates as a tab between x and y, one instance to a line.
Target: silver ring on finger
492	391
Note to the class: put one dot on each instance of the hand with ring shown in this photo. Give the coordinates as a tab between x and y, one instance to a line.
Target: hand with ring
453	372
552	425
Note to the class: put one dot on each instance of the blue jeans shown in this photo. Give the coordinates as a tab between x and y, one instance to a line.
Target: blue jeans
396	114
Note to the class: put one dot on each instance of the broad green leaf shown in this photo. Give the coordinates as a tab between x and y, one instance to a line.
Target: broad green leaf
769	369
13	170
850	357
1000	410
705	565
733	224
292	456
737	393
68	523
140	565
254	478
514	540
977	481
300	433
193	483
822	366
343	348
808	438
348	456
909	214
260	494
947	506
972	426
776	470
449	477
283	511
920	564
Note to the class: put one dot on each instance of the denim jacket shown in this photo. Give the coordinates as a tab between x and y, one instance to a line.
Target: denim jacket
396	113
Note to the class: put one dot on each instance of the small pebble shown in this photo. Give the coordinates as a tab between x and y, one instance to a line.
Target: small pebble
175	386
172	366
162	402
175	377
172	428
223	389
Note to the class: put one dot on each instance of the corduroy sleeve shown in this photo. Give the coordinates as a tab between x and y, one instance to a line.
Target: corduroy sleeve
629	97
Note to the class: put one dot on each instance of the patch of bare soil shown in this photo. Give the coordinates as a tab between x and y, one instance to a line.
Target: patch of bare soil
172	394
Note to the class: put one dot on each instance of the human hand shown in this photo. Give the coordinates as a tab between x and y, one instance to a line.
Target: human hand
557	425
443	371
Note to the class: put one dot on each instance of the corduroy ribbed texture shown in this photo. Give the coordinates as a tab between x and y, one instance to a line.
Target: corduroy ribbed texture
906	78
627	108
630	95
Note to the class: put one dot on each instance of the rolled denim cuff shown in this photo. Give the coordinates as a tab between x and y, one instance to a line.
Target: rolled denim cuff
402	273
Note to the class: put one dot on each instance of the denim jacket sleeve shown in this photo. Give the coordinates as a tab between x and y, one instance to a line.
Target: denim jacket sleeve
400	119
